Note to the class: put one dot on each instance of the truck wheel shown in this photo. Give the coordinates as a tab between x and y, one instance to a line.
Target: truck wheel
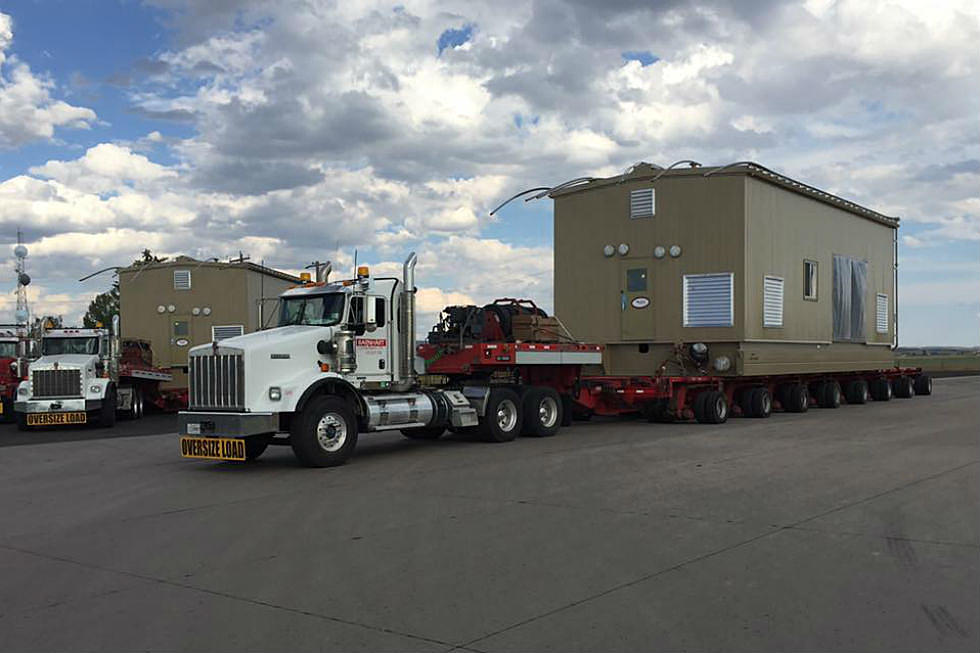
325	433
502	421
255	446
566	410
542	412
797	398
424	432
22	422
107	414
744	401
697	406
761	402
923	385
881	390
829	394
857	392
714	407
903	387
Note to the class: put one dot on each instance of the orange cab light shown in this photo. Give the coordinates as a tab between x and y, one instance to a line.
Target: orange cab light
362	271
324	367
304	276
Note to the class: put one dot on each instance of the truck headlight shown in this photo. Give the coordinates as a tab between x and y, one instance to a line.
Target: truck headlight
275	393
23	391
722	363
94	389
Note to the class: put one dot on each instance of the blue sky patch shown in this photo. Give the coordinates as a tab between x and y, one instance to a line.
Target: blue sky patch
645	57
453	38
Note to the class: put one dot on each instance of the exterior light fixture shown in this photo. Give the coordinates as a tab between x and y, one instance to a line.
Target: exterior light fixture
608	250
171	308
161	308
196	311
206	310
623	249
659	251
675	250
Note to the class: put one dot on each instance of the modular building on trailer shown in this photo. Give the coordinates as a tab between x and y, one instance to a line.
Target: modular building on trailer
771	275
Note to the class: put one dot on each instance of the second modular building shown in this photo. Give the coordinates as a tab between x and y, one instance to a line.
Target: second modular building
774	276
178	304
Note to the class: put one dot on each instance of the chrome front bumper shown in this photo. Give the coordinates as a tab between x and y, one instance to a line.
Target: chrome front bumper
232	425
57	405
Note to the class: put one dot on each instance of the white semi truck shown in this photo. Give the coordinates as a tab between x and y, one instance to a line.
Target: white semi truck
85	376
343	361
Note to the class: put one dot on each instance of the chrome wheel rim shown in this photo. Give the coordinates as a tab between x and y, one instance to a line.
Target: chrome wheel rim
548	412
766	404
506	415
721	408
331	432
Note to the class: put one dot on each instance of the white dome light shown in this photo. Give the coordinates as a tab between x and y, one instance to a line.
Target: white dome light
675	250
624	249
608	250
659	251
161	308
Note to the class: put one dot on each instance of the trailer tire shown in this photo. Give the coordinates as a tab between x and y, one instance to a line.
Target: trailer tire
107	413
502	421
325	433
698	406
904	388
255	446
797	398
857	392
658	411
829	394
424	432
714	407
761	403
881	390
542	412
923	385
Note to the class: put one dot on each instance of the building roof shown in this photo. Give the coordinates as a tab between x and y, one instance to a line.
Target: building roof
187	261
651	172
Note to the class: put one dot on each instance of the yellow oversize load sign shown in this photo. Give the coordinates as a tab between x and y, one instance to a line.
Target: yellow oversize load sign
47	419
212	448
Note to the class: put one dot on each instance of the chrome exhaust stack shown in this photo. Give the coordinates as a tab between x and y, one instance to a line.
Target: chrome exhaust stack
407	371
323	274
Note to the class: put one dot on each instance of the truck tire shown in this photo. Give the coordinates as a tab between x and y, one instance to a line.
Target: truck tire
923	385
107	413
566	410
713	407
22	422
697	406
904	387
881	390
424	432
325	433
829	394
857	392
658	411
761	402
502	421
797	398
135	410
255	446
542	412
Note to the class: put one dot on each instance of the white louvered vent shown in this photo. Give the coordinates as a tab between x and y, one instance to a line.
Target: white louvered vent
642	203
881	314
229	331
709	300
772	302
182	279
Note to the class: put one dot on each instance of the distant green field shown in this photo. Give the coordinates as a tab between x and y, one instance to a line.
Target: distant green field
962	363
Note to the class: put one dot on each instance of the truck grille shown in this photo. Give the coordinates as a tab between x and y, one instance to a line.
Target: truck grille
56	383
217	382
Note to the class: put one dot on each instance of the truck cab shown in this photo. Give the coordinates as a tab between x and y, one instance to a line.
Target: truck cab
9	372
71	382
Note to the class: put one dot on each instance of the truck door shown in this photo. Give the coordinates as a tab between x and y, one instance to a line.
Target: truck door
373	347
181	339
635	300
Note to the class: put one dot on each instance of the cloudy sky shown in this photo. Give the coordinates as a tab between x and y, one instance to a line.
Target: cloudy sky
295	131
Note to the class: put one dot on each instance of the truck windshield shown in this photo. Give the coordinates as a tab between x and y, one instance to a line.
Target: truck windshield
54	346
8	350
315	310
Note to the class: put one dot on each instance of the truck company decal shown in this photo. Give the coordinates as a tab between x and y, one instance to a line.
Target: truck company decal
371	342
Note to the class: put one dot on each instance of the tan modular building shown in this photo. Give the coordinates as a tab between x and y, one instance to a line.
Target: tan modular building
178	304
771	274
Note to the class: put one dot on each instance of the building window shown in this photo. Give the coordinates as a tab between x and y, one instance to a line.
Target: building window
643	203
181	328
881	313
810	280
709	300
182	279
226	331
850	289
772	301
636	280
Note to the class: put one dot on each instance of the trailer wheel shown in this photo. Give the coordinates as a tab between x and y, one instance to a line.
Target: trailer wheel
714	407
658	411
829	395
881	390
923	385
256	445
904	387
542	412
502	421
107	414
857	392
424	432
761	402
797	398
325	433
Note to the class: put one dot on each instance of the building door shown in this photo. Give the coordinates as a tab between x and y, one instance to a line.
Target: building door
635	300
181	339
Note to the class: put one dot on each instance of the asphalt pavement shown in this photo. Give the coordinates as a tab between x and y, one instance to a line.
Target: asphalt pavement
855	529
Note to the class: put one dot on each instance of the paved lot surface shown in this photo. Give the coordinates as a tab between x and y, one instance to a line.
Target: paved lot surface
855	529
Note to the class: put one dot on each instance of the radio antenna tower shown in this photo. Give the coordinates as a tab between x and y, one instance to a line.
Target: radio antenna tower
23	313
